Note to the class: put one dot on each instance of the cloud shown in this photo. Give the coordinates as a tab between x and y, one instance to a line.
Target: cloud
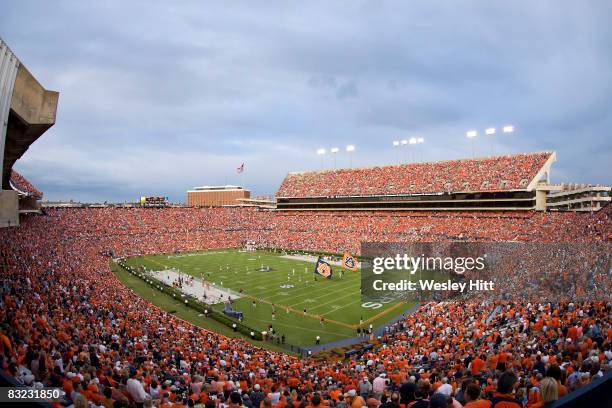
347	90
159	97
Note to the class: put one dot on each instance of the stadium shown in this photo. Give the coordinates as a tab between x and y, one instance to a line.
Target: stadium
258	303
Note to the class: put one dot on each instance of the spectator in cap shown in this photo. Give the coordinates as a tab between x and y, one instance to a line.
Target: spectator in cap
354	400
365	387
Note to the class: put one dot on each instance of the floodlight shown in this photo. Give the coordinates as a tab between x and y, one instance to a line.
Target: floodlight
334	150
320	151
490	131
404	142
350	148
508	129
412	140
420	140
471	134
396	143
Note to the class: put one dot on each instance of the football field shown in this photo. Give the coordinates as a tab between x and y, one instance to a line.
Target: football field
304	307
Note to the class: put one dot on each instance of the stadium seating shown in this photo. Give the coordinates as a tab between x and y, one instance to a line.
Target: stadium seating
67	321
487	174
23	185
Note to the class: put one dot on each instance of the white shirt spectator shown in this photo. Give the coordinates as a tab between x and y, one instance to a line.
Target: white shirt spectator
379	384
445	389
136	390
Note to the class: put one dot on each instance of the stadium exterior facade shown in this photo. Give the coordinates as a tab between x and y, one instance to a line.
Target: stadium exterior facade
207	196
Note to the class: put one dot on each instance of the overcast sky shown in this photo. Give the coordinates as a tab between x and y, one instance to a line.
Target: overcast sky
158	97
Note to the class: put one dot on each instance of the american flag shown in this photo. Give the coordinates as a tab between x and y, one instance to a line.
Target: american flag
240	169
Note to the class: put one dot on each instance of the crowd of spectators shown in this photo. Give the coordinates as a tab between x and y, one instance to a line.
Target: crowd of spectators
333	231
22	184
484	174
67	321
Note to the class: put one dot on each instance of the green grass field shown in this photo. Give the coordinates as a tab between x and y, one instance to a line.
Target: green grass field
290	284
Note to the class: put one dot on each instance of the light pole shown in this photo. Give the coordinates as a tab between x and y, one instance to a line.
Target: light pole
490	132
321	152
471	134
404	143
334	151
396	145
350	149
412	142
421	140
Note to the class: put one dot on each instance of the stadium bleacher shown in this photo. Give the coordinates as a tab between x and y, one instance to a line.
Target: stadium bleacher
67	321
22	185
501	173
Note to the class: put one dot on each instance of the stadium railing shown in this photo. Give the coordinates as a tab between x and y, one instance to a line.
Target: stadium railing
595	394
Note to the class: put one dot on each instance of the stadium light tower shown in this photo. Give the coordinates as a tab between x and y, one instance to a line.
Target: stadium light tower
334	151
412	142
490	132
321	152
508	129
421	140
404	143
471	134
396	146
350	149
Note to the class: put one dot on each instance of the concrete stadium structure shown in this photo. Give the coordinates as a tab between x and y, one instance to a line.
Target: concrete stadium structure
27	110
499	183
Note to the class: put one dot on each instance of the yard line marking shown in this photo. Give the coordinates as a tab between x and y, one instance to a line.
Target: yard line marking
302	291
354	302
334	333
384	312
332	301
302	313
326	294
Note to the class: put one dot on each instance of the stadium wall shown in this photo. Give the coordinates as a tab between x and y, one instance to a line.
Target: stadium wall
9	65
496	201
27	110
9	208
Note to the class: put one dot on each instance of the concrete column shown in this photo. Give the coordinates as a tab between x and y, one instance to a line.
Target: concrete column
540	200
9	209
